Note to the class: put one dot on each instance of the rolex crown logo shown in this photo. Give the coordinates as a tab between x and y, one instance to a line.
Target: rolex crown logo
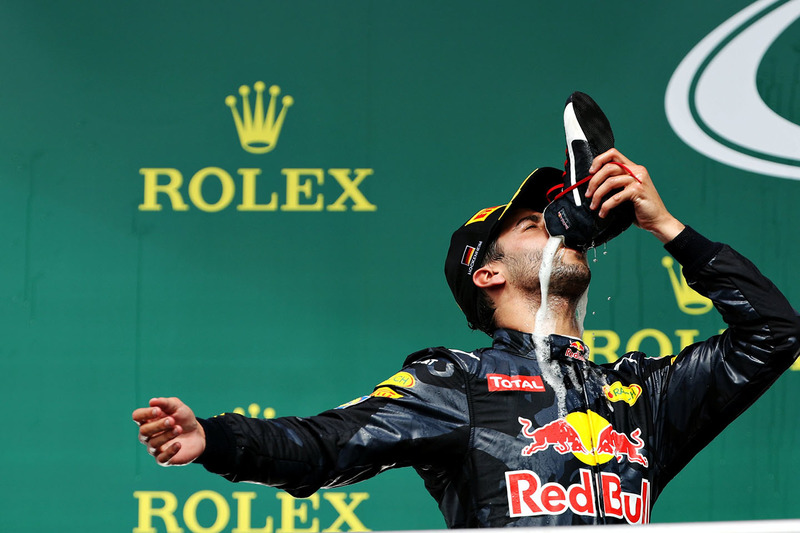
254	411
689	301
258	131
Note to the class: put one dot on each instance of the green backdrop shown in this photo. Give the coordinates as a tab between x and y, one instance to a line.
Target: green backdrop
298	278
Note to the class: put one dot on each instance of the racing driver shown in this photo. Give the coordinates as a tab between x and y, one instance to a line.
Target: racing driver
528	431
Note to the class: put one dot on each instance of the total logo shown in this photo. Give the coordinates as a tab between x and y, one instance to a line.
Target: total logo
501	382
588	436
256	190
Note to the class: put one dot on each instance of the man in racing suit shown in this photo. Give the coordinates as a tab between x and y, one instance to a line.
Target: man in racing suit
529	431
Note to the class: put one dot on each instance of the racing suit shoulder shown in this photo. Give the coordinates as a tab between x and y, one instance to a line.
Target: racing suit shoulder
464	362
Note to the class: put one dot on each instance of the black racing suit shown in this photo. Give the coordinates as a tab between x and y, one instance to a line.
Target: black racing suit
502	437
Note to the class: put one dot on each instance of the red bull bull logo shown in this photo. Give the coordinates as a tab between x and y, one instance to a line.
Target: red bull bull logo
527	496
588	436
610	442
559	434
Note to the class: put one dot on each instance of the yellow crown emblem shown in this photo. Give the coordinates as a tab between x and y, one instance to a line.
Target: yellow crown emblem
254	411
259	131
689	300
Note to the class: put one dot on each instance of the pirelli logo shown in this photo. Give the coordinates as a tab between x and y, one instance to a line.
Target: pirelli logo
483	214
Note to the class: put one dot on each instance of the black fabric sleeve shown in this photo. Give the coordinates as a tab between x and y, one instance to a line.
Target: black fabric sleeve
418	417
710	383
220	444
692	250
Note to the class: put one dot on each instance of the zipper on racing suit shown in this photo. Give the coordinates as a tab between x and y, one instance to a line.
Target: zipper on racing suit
583	372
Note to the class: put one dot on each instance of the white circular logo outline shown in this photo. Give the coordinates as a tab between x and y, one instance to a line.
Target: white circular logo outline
712	102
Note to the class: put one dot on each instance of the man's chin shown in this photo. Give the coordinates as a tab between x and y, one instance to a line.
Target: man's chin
570	280
572	256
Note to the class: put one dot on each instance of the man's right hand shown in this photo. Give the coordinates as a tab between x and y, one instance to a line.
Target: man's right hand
170	431
612	170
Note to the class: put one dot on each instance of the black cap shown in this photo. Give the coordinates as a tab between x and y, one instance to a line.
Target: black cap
469	243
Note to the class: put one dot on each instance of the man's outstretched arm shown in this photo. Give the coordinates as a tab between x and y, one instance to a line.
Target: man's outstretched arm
170	431
427	423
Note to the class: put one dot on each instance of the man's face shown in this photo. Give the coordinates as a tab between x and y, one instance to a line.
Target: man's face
522	242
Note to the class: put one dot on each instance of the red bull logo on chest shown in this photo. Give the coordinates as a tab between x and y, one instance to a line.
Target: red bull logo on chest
527	496
588	436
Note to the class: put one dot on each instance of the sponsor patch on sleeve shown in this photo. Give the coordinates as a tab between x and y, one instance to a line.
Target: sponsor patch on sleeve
617	392
352	402
386	392
401	379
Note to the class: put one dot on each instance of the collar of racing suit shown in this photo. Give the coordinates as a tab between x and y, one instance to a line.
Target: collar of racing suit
524	344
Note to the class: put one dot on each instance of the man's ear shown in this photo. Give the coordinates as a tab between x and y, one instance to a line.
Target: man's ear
488	277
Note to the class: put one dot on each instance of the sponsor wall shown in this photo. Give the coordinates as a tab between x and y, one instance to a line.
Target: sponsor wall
247	205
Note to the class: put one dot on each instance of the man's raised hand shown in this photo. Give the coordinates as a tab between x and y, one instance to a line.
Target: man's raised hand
613	171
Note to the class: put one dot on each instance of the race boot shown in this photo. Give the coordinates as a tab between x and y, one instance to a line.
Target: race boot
588	134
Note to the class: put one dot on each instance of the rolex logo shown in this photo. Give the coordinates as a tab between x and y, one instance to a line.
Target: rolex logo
254	411
689	301
258	131
256	190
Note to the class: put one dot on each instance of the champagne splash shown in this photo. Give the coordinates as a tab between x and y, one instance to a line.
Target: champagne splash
545	326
